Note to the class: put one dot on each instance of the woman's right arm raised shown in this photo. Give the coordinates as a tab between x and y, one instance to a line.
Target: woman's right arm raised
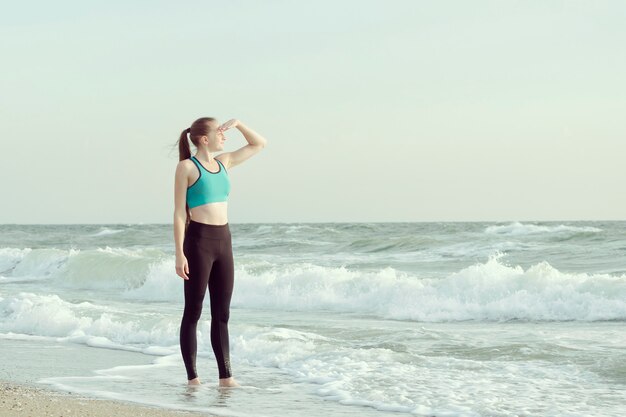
180	218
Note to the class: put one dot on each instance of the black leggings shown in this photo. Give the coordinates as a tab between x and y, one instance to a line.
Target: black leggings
209	253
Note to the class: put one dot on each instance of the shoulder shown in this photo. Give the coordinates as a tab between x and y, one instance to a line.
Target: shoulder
184	162
185	165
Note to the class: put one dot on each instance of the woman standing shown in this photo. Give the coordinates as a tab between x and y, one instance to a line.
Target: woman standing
204	255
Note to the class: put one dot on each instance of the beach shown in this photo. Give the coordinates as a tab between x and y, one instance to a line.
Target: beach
340	319
20	400
26	362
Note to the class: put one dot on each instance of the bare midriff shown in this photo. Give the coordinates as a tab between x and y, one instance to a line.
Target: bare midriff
211	213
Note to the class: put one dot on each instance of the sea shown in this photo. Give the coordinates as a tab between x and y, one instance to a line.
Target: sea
336	319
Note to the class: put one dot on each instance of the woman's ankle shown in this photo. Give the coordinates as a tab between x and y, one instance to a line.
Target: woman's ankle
194	381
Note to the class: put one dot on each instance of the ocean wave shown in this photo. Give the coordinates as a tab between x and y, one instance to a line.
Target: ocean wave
490	291
10	257
107	267
391	244
30	263
106	232
517	228
280	228
50	316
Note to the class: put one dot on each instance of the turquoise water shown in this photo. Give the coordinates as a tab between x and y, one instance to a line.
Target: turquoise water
446	319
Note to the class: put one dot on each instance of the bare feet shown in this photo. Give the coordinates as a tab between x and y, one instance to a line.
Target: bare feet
228	382
195	381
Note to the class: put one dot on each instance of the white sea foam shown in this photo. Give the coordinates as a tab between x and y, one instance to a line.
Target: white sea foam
337	369
416	381
485	291
412	382
517	228
85	323
491	290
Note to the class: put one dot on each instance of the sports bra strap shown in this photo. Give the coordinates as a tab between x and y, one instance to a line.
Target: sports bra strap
193	158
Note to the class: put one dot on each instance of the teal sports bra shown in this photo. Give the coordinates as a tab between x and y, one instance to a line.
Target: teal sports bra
210	187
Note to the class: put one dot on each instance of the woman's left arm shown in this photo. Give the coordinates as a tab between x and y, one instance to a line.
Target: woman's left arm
256	142
251	136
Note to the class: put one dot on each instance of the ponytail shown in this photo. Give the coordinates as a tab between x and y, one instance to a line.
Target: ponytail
184	152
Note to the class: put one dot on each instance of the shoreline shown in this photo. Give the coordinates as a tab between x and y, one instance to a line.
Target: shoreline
18	399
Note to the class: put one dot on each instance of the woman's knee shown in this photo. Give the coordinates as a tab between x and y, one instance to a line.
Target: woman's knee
192	313
220	312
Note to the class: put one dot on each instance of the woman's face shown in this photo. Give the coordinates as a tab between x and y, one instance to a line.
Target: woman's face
216	137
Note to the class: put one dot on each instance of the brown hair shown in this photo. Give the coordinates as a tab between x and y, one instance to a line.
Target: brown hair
200	127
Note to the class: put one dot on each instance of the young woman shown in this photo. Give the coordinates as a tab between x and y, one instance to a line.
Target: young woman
204	255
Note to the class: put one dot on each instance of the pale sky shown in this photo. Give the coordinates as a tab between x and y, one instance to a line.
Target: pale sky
372	110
